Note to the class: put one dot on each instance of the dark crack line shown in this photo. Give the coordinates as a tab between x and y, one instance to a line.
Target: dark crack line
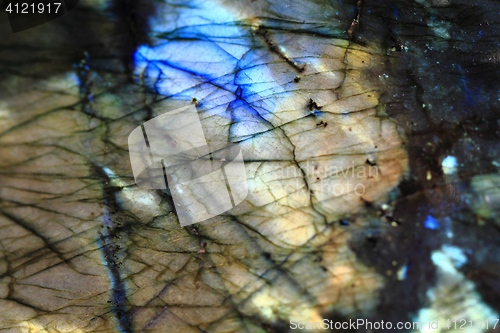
273	48
120	303
355	23
109	249
48	245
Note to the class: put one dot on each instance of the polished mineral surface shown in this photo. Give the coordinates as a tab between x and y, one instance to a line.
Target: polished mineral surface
370	138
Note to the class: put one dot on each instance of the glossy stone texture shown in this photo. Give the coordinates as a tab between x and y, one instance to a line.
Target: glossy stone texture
369	132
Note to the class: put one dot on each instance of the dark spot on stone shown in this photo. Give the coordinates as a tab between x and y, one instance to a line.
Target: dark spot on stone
313	106
372	240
